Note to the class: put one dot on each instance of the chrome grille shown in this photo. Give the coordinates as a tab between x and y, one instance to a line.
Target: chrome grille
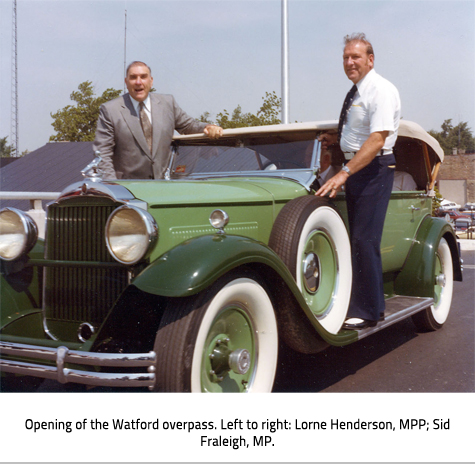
83	292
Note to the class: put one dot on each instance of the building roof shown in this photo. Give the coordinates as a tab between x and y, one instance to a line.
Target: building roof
49	169
6	160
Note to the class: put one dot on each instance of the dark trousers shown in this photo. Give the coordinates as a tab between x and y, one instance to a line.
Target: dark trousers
367	197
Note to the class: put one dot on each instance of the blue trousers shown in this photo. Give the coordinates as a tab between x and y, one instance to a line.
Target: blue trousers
367	196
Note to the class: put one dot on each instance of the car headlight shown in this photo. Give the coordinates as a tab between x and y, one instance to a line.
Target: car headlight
131	233
18	233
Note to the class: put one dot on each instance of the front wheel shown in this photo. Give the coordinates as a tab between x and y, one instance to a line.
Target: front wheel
434	317
221	340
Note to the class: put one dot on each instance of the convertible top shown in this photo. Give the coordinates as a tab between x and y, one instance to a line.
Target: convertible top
406	129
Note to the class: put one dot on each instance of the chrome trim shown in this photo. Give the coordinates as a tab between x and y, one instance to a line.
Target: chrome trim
110	190
92	170
62	356
151	228
45	324
395	313
218	220
30	232
81	329
304	177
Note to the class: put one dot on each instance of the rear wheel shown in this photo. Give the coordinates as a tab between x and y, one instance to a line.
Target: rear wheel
221	340
434	317
310	237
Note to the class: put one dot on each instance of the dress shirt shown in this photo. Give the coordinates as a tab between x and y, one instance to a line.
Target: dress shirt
324	174
147	106
376	108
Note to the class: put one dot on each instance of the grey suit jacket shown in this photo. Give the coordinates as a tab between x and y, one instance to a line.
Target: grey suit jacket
331	172
121	141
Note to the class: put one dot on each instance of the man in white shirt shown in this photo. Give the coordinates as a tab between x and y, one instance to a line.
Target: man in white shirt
135	144
368	129
404	182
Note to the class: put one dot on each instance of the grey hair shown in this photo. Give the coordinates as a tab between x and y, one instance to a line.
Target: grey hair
359	37
137	62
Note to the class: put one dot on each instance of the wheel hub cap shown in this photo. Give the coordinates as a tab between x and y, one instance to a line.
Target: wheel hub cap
311	272
440	280
223	360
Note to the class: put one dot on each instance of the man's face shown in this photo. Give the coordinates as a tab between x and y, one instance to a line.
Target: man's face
356	62
139	82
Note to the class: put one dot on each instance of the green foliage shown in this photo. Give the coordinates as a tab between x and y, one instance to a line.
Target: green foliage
436	200
459	136
268	114
78	123
5	150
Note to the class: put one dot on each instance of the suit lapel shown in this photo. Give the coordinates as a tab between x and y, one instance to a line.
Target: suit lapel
133	122
156	119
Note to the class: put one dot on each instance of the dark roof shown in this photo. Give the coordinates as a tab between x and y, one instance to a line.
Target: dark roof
6	160
51	168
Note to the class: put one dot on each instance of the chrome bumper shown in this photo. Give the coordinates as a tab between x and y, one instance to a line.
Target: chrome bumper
62	356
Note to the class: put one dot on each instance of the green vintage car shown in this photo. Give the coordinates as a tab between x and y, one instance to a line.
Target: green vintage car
189	283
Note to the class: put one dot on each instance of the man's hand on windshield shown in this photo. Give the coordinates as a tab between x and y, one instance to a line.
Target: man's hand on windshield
213	131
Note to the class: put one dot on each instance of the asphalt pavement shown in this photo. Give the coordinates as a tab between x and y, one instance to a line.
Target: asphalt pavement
397	359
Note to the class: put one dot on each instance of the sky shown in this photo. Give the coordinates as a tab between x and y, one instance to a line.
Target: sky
216	55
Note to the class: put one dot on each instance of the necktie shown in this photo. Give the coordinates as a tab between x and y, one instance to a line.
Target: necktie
344	110
146	125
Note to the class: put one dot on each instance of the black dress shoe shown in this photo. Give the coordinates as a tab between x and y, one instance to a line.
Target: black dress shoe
357	324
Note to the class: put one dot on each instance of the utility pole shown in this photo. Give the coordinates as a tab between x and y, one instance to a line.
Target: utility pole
14	105
285	62
125	47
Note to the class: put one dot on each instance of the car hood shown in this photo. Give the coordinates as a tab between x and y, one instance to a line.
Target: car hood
223	191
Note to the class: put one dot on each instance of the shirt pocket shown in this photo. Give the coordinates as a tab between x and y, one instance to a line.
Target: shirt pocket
358	117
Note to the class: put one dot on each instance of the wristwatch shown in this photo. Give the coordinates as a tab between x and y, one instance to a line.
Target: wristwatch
346	169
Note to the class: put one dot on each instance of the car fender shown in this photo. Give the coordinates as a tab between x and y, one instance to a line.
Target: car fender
417	275
20	289
197	263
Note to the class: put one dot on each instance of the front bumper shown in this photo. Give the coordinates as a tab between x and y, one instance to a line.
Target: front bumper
61	356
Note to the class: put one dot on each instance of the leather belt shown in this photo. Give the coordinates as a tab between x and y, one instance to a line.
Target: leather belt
350	154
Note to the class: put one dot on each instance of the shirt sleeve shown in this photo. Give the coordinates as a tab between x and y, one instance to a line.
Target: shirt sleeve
384	109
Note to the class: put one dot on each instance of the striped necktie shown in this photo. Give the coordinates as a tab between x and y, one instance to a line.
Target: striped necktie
345	109
146	125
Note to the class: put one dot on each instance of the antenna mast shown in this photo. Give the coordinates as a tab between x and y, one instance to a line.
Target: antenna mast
285	62
14	116
125	47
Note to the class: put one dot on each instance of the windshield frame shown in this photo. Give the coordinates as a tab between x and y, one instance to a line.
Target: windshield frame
303	176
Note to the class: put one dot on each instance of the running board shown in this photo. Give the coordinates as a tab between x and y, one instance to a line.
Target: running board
398	308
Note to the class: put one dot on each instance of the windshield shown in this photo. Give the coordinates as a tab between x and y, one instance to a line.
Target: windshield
241	156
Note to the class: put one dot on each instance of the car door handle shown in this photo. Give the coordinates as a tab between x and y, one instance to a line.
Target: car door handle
414	208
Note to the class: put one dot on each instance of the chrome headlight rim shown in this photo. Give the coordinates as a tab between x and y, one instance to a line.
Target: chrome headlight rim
219	219
29	232
150	230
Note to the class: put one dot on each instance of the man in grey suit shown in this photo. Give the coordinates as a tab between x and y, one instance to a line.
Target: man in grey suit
134	131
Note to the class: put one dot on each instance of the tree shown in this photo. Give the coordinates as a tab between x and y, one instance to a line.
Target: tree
78	123
5	150
451	137
266	115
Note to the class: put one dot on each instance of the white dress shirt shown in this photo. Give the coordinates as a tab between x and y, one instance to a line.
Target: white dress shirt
376	108
147	105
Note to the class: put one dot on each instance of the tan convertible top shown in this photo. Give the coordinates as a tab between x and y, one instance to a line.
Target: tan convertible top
406	129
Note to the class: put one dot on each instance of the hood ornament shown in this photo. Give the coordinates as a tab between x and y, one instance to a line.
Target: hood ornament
92	171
